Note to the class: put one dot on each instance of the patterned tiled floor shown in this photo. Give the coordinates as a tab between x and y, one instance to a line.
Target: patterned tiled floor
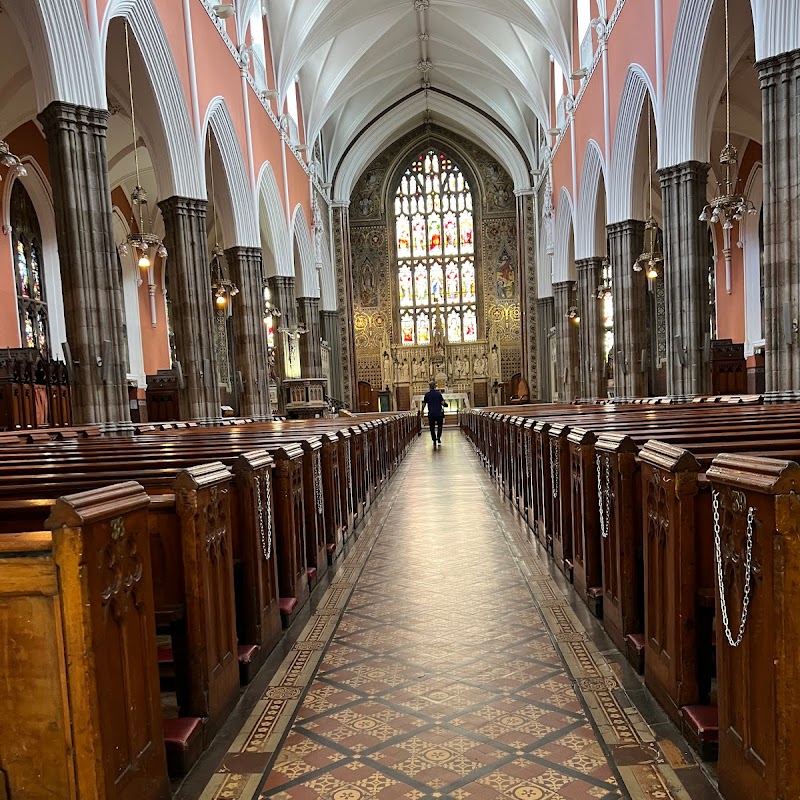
443	663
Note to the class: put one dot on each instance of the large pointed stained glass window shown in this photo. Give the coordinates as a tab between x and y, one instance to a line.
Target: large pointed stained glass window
435	251
28	271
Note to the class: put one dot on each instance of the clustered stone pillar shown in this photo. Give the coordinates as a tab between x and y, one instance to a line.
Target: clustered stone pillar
686	259
191	305
344	291
625	245
249	333
310	350
93	308
544	321
590	329
329	322
281	289
567	342
780	94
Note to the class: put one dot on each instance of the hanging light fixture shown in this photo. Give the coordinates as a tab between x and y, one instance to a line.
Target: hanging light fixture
143	243
652	258
270	311
573	315
8	159
224	288
730	205
604	290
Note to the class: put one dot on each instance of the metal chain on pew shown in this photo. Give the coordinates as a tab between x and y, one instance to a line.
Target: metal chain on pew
349	467
748	573
318	482
266	539
555	467
604	495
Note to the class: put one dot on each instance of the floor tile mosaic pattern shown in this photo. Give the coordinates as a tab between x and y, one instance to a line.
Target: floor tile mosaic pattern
441	679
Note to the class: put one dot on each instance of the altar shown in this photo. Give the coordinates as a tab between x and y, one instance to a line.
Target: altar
456	401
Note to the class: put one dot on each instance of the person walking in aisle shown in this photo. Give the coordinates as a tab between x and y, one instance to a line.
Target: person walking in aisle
436	403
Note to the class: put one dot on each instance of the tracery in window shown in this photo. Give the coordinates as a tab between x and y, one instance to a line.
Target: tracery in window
435	242
28	269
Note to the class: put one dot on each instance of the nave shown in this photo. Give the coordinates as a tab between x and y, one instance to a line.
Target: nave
447	660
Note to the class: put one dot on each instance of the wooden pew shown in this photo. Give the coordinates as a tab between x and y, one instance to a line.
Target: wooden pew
757	511
79	661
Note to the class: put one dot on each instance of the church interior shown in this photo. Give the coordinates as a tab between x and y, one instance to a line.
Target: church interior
244	245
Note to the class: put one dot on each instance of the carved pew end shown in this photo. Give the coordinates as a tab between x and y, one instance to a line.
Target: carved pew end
634	651
288	607
183	740
249	662
594	599
701	729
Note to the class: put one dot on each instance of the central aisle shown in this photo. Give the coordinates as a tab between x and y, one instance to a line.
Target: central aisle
441	678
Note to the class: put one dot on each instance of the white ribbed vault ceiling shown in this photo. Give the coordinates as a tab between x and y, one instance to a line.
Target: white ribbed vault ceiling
357	60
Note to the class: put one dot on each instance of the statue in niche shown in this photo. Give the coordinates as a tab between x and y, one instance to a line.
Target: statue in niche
548	214
479	366
494	362
506	278
459	367
367	285
403	372
388	370
414	369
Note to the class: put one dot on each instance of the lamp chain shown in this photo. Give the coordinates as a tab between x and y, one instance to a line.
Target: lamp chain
727	79
213	193
133	124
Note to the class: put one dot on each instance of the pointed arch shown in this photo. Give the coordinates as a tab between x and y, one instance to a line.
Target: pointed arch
174	149
563	270
586	234
638	87
306	283
40	193
274	235
240	225
57	41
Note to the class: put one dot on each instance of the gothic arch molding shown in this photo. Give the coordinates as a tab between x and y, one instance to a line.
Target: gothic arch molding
777	27
274	235
407	116
59	47
305	274
586	235
175	152
40	193
563	270
241	226
637	88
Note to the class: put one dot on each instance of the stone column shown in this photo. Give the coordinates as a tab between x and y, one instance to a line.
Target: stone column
626	243
344	293
249	333
329	323
189	280
544	321
567	343
310	350
780	94
592	383
526	216
282	292
686	260
93	307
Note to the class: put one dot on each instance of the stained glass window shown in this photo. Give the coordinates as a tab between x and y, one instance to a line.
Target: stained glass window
28	268
607	310
435	250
